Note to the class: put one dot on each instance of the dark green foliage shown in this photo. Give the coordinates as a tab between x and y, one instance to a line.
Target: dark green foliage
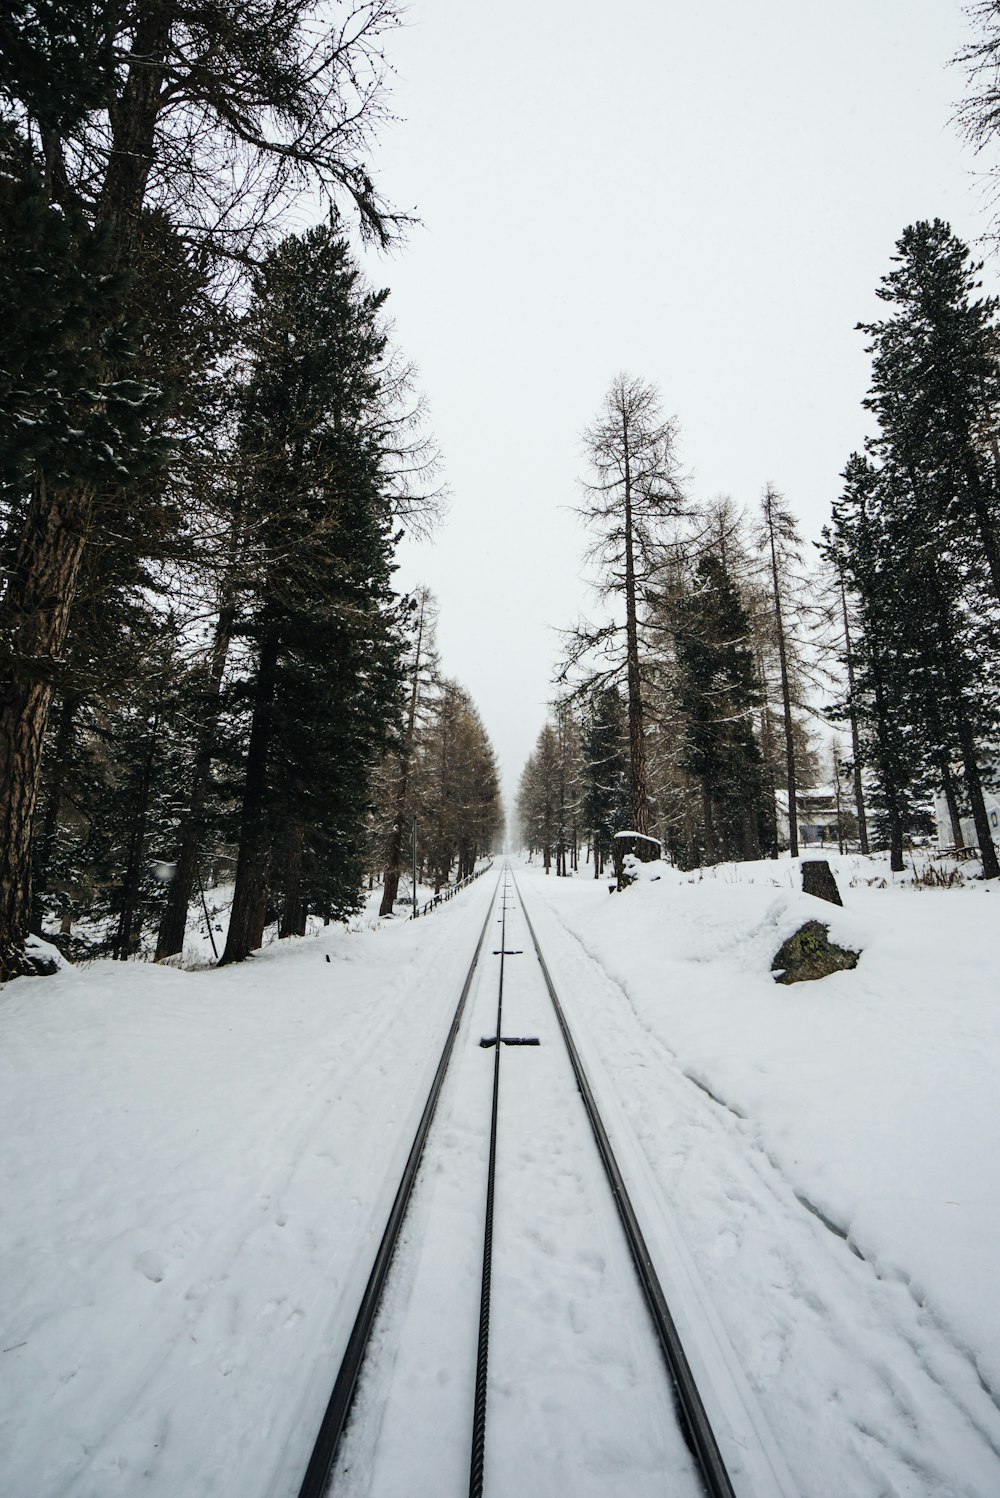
121	121
314	583
718	691
57	59
604	771
915	536
73	404
935	393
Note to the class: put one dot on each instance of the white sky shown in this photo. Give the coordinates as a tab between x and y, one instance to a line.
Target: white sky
704	196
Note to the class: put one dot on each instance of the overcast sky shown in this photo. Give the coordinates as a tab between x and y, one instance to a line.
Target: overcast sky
704	196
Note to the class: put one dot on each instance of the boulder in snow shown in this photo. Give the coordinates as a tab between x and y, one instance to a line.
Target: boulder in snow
809	953
818	880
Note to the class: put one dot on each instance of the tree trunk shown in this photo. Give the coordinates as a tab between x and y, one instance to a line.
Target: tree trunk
293	911
948	785
43	583
173	923
390	887
859	798
711	843
133	124
974	787
984	520
127	935
883	734
48	838
966	741
246	920
751	834
35	618
639	802
786	698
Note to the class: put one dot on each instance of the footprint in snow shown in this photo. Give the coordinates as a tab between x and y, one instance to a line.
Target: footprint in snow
152	1265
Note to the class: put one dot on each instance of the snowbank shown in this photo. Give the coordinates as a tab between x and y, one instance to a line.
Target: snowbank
873	1092
192	1165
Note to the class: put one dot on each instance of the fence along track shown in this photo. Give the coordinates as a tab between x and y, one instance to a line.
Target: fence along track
317	1477
691	1411
443	896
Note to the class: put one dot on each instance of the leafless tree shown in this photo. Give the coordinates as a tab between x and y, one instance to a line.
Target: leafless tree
633	497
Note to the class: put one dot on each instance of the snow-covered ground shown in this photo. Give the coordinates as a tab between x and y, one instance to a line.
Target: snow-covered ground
197	1166
827	1151
196	1169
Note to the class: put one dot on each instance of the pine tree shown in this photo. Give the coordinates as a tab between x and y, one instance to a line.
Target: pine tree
538	797
318	605
718	693
68	432
222	109
604	772
880	700
420	668
934	391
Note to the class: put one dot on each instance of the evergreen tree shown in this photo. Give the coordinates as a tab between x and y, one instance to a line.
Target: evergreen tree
318	605
920	544
69	431
936	391
604	772
222	109
718	692
881	700
538	797
420	667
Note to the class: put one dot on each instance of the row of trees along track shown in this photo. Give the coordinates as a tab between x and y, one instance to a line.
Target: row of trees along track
439	789
208	448
684	712
690	1407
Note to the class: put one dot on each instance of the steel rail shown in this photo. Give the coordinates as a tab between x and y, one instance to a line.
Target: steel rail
693	1416
316	1482
477	1460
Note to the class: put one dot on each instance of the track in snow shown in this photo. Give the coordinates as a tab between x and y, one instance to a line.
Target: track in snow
564	1389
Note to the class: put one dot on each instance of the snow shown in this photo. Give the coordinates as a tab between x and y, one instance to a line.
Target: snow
855	1116
195	1164
198	1166
578	1401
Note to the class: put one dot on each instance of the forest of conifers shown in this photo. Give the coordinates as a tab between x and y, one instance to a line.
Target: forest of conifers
209	448
706	701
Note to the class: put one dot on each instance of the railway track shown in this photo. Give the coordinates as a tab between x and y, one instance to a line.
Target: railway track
577	1361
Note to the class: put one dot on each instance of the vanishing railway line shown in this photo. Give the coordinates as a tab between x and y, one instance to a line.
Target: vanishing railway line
700	1468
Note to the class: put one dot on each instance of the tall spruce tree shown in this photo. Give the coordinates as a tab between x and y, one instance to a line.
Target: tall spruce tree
69	431
222	111
317	604
718	691
604	772
930	528
878	695
936	390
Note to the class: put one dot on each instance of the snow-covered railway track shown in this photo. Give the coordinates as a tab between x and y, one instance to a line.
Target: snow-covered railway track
574	1353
